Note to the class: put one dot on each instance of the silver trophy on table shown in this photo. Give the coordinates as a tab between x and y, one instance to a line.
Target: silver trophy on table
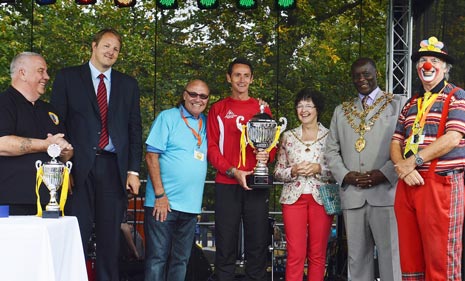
52	174
262	133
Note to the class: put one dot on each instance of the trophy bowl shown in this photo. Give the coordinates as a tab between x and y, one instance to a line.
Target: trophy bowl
52	176
262	133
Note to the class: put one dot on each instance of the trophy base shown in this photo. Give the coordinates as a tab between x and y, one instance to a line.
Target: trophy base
260	181
51	214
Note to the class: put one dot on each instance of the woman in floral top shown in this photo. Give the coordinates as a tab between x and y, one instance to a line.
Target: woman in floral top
302	168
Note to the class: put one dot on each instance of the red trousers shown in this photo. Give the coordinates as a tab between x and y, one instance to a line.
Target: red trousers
430	220
307	228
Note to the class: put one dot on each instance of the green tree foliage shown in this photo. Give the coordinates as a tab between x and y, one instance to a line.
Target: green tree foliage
310	46
446	21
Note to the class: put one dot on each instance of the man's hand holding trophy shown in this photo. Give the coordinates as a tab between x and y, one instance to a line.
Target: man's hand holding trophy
262	133
54	174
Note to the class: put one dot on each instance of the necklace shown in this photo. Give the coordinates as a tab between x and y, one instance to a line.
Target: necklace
351	113
308	144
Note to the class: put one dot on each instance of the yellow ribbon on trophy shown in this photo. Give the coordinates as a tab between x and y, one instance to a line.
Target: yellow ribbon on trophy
244	141
276	139
243	147
64	189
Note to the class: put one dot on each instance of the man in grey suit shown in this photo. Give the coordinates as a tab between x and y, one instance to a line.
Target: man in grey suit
357	150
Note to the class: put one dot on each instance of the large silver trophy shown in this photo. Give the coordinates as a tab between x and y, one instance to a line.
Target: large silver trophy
262	133
52	174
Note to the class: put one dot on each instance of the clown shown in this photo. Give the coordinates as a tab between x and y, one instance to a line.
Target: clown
428	150
434	64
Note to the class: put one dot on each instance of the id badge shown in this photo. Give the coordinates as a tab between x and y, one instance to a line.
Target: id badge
199	155
418	139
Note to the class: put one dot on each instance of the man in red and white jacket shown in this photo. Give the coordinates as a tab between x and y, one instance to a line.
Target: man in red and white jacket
234	199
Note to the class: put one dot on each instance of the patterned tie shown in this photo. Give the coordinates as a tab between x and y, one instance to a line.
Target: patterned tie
103	106
365	102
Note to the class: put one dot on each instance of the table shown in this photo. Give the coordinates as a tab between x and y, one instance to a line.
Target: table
36	249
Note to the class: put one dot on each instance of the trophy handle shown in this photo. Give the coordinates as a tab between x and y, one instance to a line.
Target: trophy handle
38	164
283	120
238	122
69	165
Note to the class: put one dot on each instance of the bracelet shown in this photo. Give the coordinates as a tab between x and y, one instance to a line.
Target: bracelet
160	195
133	173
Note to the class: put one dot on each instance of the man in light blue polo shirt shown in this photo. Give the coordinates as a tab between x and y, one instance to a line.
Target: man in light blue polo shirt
177	165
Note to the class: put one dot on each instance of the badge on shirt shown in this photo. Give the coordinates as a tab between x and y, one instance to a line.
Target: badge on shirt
54	118
418	139
199	155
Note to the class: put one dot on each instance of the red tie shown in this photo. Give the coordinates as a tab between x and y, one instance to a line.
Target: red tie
103	106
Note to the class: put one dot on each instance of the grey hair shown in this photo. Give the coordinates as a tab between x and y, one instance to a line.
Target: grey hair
18	60
448	68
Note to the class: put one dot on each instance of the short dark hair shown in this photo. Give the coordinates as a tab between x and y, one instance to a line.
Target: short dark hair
240	61
98	36
362	61
315	96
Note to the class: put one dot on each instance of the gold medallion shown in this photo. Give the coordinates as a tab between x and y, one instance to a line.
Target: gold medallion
364	125
360	144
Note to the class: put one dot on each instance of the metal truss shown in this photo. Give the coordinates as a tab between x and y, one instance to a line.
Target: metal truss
399	47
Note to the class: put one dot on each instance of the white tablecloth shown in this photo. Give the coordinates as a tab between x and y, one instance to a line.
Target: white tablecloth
36	249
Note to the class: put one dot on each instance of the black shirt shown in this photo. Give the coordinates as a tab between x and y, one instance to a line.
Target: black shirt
21	118
421	91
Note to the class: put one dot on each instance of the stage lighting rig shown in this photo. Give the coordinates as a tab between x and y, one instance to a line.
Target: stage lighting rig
207	4
125	3
86	2
45	2
246	4
285	4
167	4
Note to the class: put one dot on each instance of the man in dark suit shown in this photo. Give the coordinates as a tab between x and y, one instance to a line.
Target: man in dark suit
101	112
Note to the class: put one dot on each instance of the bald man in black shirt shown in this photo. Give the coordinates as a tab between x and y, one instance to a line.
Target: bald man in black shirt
27	127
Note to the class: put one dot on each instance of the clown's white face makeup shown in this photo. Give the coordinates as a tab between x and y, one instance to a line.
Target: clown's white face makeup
431	71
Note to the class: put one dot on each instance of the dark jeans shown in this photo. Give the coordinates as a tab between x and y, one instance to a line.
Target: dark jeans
233	203
204	235
168	245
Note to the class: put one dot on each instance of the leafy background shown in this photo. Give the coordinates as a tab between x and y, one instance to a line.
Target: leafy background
311	46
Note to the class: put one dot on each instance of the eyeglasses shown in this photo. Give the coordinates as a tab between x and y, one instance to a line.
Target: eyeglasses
195	95
305	106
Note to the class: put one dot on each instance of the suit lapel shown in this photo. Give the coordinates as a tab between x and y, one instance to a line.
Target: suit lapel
358	102
373	111
89	89
114	94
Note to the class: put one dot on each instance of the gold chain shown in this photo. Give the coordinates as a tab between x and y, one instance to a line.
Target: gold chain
351	113
308	144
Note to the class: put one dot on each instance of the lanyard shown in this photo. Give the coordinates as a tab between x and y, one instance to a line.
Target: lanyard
196	134
423	110
424	106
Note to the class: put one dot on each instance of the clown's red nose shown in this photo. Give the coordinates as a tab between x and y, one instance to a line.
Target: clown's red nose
427	66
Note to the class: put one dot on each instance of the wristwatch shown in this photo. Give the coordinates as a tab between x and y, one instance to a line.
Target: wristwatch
418	160
230	172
